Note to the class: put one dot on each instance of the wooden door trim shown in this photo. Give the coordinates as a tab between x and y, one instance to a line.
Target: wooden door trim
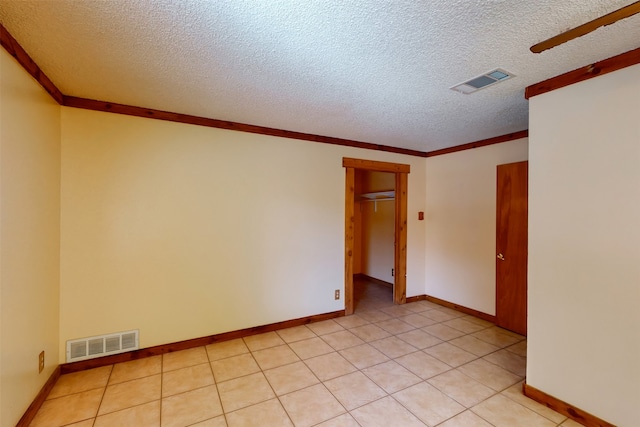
373	165
349	238
615	63
400	251
481	143
400	259
14	49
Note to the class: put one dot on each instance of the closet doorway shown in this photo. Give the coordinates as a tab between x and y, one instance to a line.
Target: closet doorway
352	166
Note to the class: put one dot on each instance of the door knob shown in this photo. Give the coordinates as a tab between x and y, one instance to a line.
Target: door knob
501	257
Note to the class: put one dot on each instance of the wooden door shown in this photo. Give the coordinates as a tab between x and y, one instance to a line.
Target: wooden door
511	247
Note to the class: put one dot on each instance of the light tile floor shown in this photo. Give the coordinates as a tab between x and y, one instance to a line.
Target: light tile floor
418	364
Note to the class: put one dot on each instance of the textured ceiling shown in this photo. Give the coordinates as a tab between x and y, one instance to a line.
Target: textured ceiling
366	70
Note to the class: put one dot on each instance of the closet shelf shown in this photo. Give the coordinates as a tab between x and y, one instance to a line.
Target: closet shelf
377	196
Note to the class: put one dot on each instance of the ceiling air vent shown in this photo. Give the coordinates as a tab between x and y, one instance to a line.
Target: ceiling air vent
485	80
89	348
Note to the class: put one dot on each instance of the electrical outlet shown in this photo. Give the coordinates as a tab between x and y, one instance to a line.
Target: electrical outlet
337	294
41	362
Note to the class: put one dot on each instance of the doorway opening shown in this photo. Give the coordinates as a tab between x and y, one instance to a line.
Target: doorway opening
400	177
373	253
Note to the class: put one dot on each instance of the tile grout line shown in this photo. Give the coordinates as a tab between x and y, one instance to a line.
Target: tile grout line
95	419
320	382
161	387
477	357
427	380
347	411
215	382
276	394
360	370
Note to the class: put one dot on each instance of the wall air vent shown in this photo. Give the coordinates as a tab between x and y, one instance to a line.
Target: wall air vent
485	80
103	345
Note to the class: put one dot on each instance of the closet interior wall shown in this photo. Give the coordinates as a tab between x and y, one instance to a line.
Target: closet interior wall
374	226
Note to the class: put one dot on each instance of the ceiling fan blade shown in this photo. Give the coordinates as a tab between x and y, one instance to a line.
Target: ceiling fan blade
583	29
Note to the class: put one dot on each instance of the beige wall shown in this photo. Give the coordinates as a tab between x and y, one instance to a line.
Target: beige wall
378	181
460	218
184	231
29	237
584	245
378	235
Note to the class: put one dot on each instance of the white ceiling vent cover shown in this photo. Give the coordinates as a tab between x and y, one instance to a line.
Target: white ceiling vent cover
482	81
103	345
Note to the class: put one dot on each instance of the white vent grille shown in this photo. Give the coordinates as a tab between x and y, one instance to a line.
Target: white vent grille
482	81
104	345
